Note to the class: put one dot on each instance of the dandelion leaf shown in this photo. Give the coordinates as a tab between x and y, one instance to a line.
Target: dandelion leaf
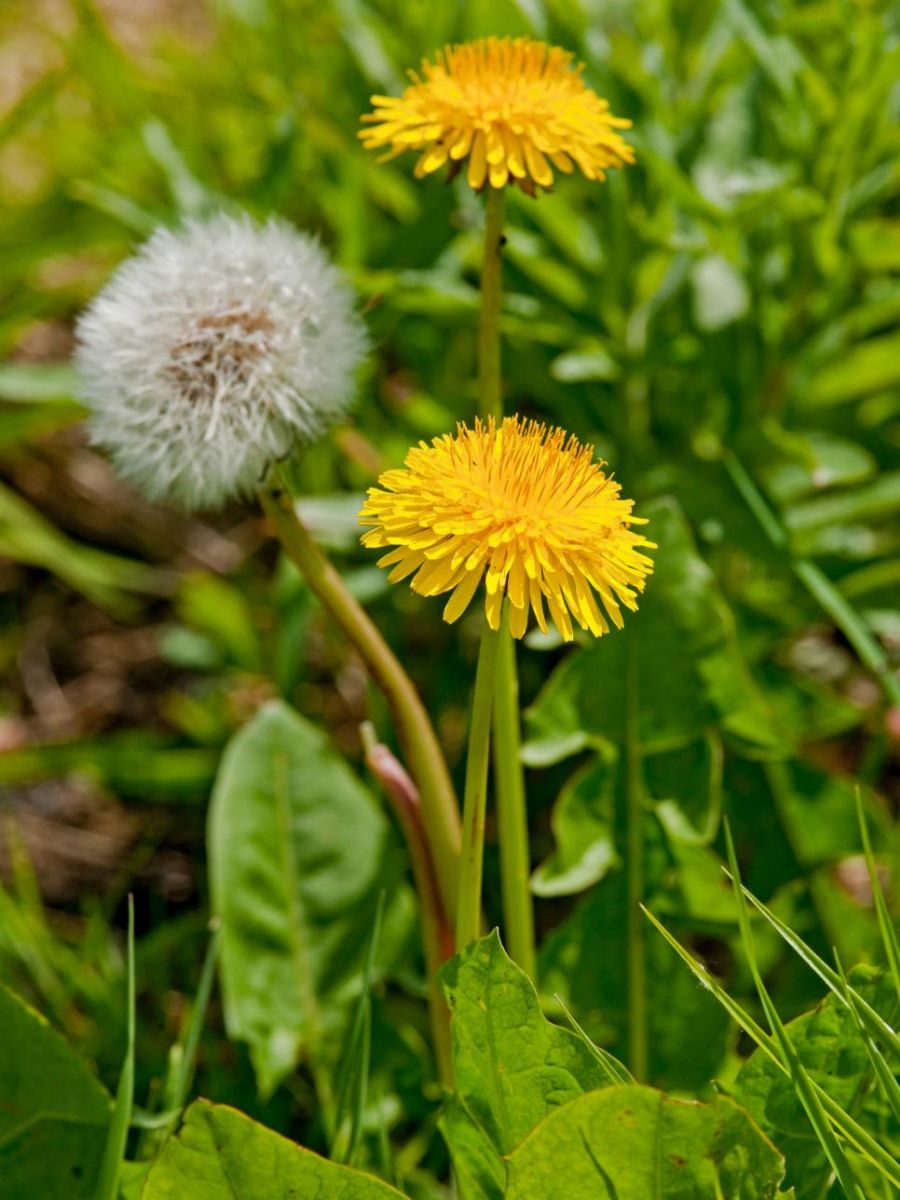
634	1143
54	1112
220	1154
299	852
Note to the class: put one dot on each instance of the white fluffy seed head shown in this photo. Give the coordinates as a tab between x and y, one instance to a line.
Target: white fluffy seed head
212	351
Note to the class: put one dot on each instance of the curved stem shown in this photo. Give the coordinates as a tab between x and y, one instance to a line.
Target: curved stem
418	742
468	919
437	936
512	814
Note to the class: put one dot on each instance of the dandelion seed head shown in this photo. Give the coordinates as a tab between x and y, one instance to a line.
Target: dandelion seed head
212	351
511	108
522	507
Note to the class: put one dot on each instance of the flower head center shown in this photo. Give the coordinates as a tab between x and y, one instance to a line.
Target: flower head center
489	90
219	350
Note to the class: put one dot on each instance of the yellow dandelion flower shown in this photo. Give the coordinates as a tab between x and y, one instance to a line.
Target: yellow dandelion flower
511	106
521	506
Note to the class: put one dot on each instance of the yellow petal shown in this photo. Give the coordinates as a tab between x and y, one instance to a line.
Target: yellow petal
461	597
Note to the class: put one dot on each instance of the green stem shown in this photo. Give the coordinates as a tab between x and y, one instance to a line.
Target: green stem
512	822
490	398
418	742
468	920
634	873
817	583
437	935
512	817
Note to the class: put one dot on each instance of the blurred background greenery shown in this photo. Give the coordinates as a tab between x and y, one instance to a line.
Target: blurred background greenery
720	320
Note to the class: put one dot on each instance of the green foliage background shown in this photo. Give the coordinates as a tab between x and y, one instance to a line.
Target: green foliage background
720	320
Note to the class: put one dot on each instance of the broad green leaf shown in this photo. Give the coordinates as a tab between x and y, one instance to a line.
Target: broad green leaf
634	1143
131	1180
54	1113
584	960
582	823
511	1065
683	623
298	852
219	1154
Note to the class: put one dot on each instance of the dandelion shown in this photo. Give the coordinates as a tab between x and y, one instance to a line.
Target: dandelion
212	351
521	506
510	106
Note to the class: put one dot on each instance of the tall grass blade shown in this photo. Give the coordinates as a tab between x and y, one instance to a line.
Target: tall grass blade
182	1064
198	1019
883	1073
803	1085
353	1080
875	1023
705	979
885	921
617	1072
846	1125
114	1154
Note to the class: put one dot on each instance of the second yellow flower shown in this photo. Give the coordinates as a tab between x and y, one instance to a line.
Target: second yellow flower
521	506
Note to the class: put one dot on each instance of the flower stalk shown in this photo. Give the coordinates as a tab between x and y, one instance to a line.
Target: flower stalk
418	742
512	821
468	920
512	815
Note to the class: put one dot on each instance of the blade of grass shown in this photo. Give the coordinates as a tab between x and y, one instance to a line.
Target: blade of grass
114	1154
355	1064
861	1139
875	1023
385	1151
885	923
817	583
883	1073
362	1088
616	1071
198	1019
803	1085
182	1064
705	979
